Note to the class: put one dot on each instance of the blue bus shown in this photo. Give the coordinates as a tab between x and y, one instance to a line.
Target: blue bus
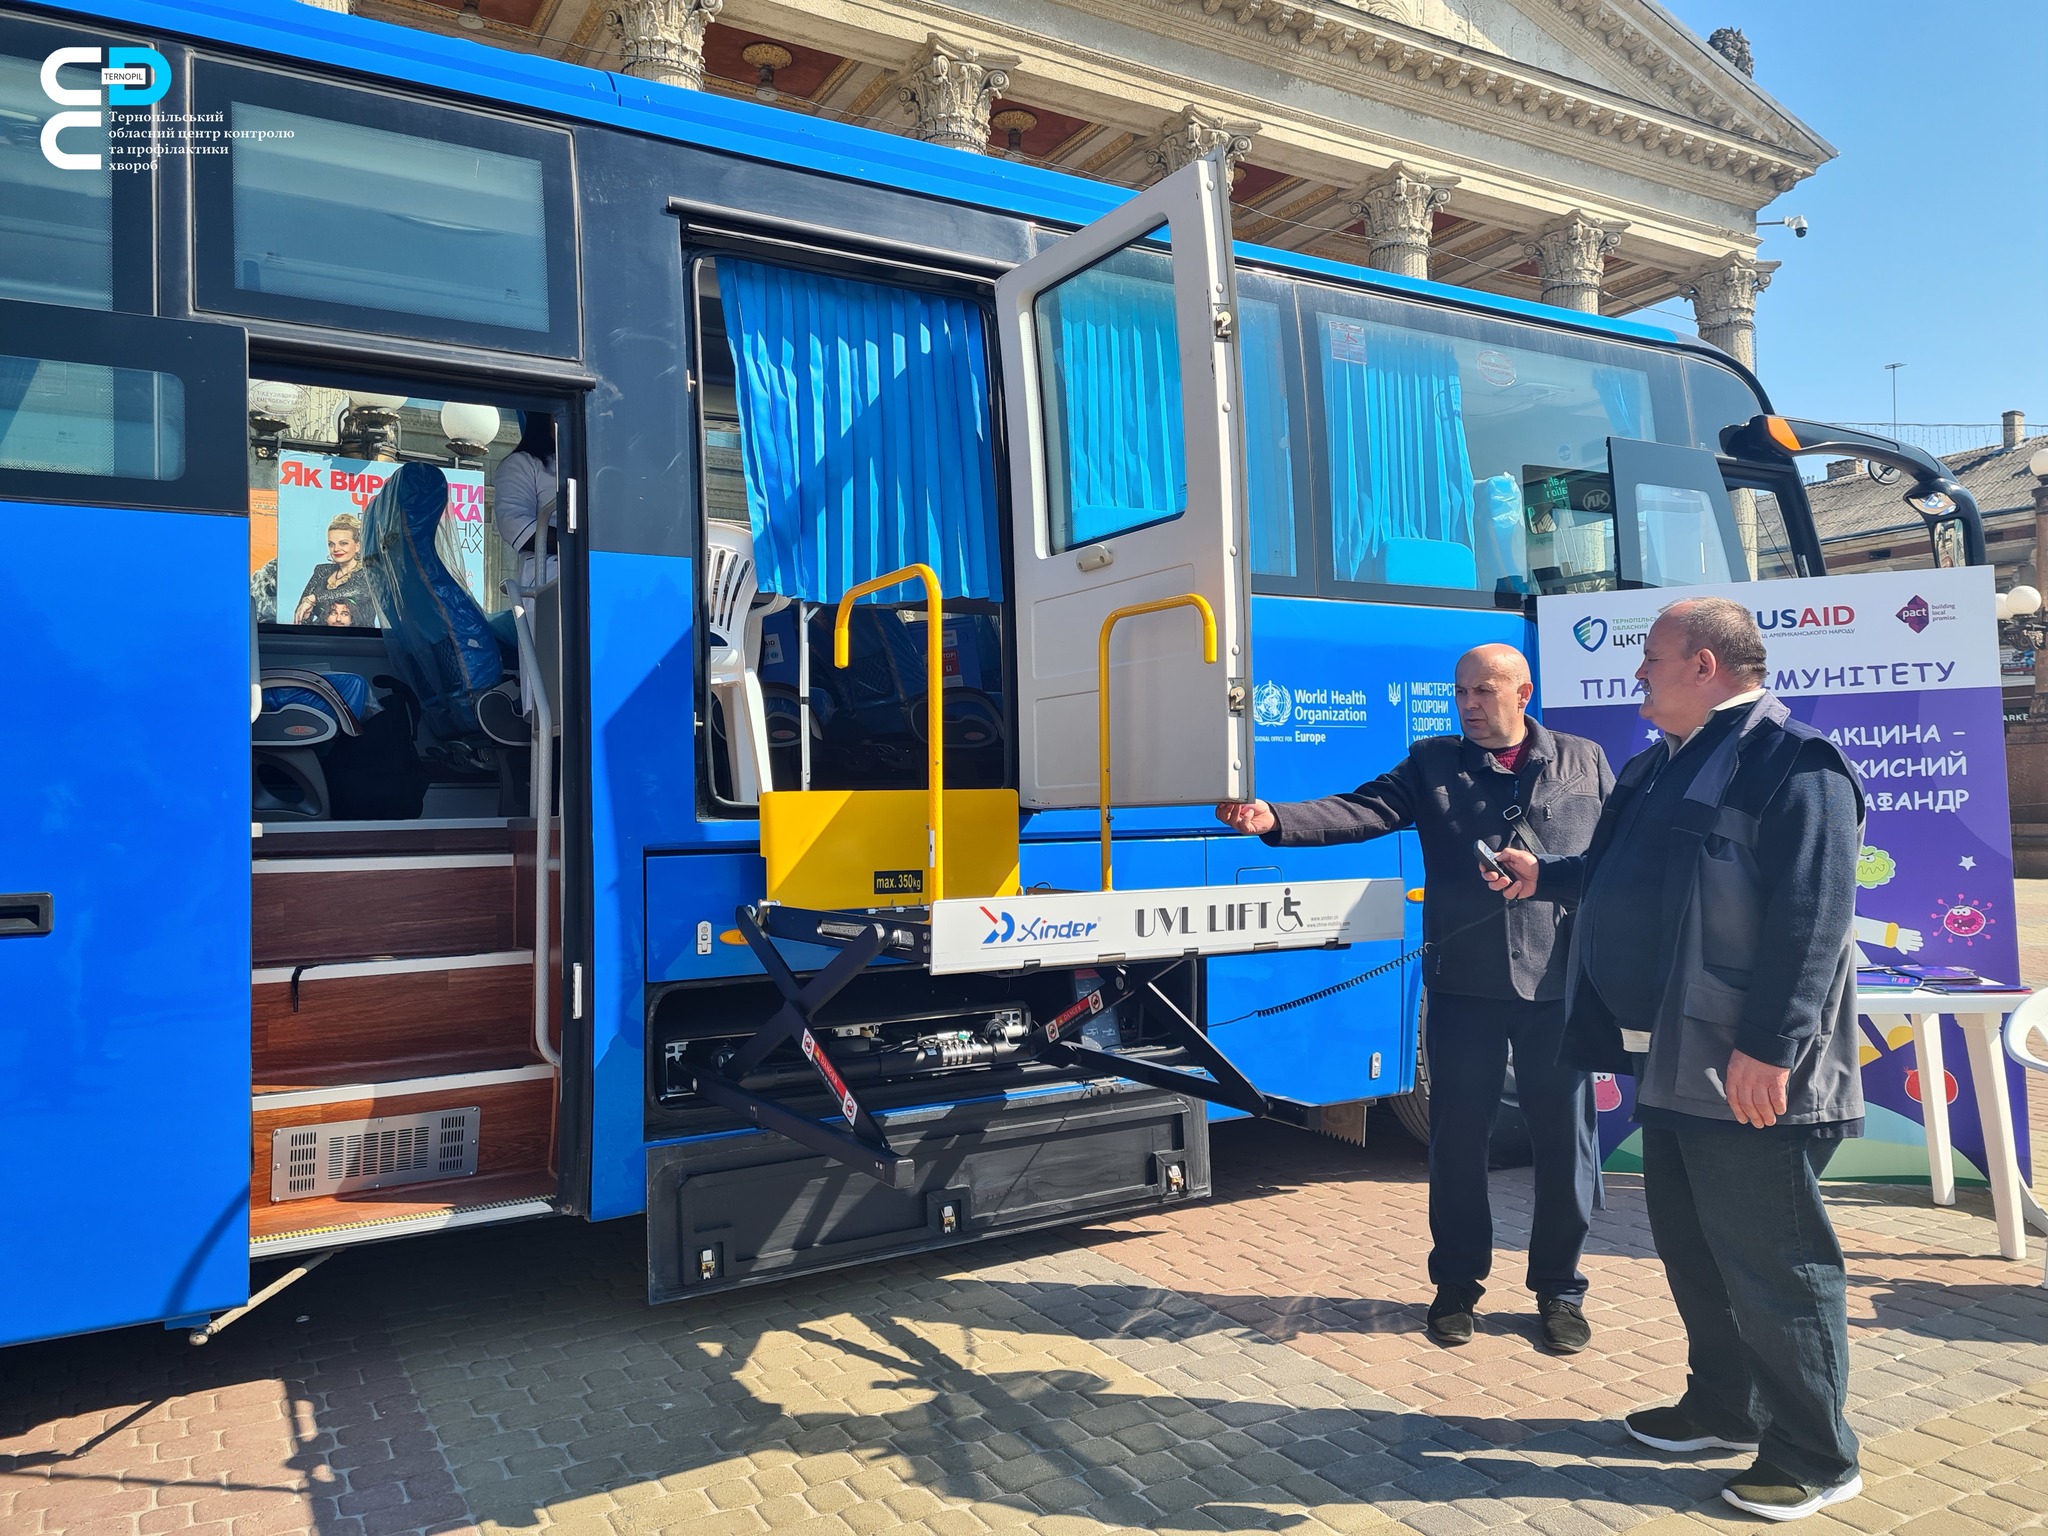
435	486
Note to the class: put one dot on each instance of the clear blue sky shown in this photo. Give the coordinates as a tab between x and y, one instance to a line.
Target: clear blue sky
1929	238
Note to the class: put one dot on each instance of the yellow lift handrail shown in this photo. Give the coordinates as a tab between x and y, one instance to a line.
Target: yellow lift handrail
934	707
1192	600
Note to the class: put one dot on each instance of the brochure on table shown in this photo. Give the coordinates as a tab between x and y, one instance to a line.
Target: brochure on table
1901	669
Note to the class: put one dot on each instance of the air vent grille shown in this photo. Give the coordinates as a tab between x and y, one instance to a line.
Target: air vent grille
345	1155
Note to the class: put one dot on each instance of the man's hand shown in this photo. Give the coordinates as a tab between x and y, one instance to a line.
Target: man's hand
1521	867
1253	816
1756	1090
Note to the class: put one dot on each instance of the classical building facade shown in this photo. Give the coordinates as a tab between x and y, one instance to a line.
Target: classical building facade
1589	153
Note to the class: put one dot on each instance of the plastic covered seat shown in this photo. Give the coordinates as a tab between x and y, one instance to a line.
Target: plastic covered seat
440	642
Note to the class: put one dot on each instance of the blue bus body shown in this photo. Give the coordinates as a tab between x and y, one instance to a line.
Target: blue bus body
139	988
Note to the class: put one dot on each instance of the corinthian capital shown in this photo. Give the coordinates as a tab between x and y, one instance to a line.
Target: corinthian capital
1724	302
948	88
1397	207
1191	133
664	39
1570	257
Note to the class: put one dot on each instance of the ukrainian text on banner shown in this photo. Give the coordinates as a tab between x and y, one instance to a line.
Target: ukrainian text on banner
1900	669
320	502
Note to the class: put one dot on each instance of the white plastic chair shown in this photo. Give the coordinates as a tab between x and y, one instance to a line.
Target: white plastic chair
733	617
2024	1026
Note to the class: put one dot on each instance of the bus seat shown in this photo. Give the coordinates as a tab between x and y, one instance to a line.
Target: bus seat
441	645
734	609
301	711
1429	563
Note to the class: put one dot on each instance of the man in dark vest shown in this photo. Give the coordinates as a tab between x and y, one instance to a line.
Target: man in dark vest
1713	958
1495	975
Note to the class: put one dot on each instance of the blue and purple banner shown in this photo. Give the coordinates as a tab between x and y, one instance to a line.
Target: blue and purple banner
1900	669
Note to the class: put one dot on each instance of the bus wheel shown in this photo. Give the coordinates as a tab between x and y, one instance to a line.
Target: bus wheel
1509	1146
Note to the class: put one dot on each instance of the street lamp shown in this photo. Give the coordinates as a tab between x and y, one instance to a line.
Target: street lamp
1893	370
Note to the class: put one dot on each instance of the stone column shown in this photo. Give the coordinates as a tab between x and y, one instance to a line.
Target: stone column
342	6
1570	256
1724	302
1397	206
1191	133
948	88
664	39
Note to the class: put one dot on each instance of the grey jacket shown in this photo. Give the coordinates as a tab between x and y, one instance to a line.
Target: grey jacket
1454	793
1770	784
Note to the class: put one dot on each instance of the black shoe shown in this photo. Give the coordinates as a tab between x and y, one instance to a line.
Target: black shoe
1673	1429
1564	1325
1450	1318
1776	1494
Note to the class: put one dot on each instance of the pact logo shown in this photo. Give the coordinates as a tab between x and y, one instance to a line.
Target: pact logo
129	77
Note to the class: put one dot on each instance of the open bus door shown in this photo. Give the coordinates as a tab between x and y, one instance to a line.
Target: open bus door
1125	415
124	799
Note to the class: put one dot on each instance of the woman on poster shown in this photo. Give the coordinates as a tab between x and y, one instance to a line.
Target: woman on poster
340	579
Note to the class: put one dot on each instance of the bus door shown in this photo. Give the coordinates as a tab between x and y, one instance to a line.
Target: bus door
124	819
1125	407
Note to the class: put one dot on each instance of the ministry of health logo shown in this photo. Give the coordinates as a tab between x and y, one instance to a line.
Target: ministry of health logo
1590	632
1271	704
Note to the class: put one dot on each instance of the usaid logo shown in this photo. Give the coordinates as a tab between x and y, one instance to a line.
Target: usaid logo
1271	704
1916	615
129	77
1590	632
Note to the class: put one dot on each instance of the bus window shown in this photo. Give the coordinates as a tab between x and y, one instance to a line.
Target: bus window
370	212
69	418
1271	411
76	234
845	431
1109	384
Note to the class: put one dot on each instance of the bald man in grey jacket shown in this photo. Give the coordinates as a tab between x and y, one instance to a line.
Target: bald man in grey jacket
1495	974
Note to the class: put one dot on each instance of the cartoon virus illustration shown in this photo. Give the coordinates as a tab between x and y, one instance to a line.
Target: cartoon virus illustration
1875	867
1606	1092
1964	918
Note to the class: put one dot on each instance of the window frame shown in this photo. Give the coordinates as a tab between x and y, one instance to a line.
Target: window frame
707	245
208	358
217	85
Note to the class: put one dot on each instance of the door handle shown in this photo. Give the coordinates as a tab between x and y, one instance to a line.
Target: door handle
25	915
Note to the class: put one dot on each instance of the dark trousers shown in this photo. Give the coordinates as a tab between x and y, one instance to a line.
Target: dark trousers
1467	1041
1756	1271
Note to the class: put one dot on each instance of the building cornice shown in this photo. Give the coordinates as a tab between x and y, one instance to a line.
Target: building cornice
1715	135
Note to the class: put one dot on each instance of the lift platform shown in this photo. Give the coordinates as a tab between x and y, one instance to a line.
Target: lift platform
1127	941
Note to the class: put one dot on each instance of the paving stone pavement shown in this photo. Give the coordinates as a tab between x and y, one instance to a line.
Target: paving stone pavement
1255	1362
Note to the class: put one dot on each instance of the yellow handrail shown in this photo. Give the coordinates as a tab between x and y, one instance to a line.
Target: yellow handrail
934	706
1192	600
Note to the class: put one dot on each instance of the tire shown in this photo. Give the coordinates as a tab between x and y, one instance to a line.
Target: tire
1509	1146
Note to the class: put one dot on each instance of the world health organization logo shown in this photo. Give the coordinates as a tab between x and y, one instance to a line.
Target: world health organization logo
1271	704
1589	632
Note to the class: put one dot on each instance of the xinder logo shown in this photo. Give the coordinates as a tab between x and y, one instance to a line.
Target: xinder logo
129	77
1003	928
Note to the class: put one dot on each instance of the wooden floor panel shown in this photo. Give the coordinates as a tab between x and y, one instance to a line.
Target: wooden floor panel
396	1204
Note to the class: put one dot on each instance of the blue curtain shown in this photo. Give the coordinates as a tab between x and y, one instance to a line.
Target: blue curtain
1269	458
864	432
1118	405
1399	468
1625	396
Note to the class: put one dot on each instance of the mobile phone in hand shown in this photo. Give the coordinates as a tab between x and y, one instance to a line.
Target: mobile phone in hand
1489	862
